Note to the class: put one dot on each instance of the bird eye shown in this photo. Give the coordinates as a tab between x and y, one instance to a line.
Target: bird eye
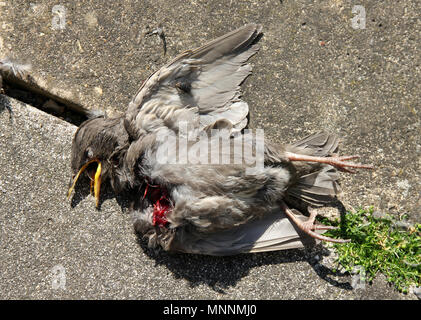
89	154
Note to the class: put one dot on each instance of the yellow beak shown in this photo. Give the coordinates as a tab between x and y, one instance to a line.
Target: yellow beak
96	181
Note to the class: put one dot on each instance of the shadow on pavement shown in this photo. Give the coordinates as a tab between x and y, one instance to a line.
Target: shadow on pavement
220	273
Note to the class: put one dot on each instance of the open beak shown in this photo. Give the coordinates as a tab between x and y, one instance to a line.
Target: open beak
96	180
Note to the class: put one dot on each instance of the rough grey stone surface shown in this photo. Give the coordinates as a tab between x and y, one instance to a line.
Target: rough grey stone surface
313	72
42	235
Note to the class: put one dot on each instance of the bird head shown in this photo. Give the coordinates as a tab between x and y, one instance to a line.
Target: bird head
95	151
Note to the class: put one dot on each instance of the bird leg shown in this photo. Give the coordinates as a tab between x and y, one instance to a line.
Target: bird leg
309	226
338	162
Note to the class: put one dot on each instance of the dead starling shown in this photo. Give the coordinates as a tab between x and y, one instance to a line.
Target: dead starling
215	209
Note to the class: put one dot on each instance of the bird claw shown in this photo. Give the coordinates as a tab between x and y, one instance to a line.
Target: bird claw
324	238
338	162
309	226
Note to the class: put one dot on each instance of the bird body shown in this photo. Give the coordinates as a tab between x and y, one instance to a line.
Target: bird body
160	151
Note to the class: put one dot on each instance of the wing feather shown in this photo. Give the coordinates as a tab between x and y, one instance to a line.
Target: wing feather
273	232
207	78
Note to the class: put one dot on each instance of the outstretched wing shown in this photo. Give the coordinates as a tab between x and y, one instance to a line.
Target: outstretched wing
271	233
200	86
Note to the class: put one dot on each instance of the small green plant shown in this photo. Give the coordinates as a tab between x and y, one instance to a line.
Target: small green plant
379	247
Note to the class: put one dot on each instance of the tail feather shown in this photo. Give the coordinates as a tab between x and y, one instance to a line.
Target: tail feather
319	144
317	188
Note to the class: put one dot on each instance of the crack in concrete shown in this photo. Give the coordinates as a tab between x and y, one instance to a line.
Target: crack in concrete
29	93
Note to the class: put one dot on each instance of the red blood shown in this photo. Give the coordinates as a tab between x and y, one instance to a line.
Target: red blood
160	209
162	205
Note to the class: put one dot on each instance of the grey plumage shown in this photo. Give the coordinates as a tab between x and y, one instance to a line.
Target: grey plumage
216	209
